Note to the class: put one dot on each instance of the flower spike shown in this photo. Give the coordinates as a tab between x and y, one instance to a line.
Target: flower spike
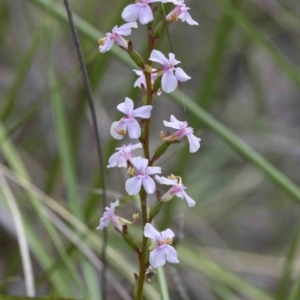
118	129
177	189
161	251
116	36
183	130
171	73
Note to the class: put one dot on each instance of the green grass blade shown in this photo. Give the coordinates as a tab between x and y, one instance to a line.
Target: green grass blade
215	59
199	261
281	61
162	282
13	159
20	77
283	285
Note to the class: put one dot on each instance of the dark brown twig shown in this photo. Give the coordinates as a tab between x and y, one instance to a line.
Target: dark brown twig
98	141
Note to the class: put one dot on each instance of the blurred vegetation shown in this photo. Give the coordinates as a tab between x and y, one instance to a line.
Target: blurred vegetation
241	239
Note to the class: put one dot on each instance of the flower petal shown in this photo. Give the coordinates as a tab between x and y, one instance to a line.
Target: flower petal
136	146
157	257
169	82
181	75
143	112
188	199
114	160
185	16
151	233
131	12
171	254
107	45
140	163
194	142
158	57
148	184
126	107
120	126
154	170
126	28
168	233
145	14
164	180
134	129
133	185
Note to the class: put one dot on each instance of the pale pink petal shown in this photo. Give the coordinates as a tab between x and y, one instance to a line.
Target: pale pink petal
169	82
173	119
171	254
188	199
134	129
126	28
143	112
131	12
114	160
151	232
194	142
164	180
149	185
133	185
154	170
157	258
126	107
181	75
172	124
145	14
140	81
119	125
107	45
187	18
158	57
121	41
172	59
136	146
168	233
140	163
115	221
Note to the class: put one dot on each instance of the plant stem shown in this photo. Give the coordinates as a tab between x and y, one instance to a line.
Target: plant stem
143	195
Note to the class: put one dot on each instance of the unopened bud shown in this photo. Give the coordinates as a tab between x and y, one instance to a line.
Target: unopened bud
129	239
135	56
159	29
155	209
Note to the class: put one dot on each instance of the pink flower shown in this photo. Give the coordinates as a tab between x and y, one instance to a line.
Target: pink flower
171	73
184	130
180	12
139	11
177	189
118	129
110	217
161	251
123	154
116	36
141	177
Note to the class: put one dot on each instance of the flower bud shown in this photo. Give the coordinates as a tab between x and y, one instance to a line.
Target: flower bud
157	84
155	209
135	56
160	151
129	239
159	29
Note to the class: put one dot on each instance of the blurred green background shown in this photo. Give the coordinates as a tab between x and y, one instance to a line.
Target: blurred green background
241	239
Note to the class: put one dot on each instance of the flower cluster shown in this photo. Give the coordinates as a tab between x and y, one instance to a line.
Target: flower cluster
140	170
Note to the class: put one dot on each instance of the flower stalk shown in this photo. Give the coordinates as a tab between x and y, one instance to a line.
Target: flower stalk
141	170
